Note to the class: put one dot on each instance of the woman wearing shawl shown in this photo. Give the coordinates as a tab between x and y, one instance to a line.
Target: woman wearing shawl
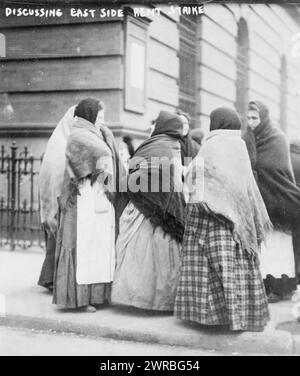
85	253
220	281
126	150
51	178
152	224
189	147
271	163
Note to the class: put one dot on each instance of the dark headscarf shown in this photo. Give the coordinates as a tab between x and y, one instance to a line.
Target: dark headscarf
169	124
88	109
193	142
224	118
197	135
271	162
252	137
262	109
172	125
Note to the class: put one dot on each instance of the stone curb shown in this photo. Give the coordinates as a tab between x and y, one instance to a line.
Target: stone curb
276	342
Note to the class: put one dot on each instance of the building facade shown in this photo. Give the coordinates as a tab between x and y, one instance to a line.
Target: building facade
140	65
247	52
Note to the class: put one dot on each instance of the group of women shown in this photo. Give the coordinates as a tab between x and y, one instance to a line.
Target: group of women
193	248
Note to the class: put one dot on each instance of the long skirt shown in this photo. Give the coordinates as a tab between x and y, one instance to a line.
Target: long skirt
220	284
278	264
67	293
147	267
47	271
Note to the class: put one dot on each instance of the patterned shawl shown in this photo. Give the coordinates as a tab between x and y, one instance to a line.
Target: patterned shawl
90	152
226	187
165	205
85	148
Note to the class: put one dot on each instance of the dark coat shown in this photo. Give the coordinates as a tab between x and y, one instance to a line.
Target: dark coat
271	162
295	158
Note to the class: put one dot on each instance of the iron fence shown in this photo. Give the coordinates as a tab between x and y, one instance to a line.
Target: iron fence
19	201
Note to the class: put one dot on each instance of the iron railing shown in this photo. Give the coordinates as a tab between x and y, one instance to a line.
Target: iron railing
19	201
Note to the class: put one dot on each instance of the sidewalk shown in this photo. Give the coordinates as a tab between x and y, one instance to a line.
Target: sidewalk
29	306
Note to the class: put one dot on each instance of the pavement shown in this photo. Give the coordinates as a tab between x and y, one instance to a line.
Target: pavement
23	304
29	342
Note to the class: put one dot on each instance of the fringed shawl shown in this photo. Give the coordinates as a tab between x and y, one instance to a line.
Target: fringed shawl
87	151
225	186
90	152
164	206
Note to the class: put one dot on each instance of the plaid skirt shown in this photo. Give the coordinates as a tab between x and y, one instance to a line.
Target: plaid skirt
219	284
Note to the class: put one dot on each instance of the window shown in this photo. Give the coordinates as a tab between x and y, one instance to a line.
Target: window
135	72
242	66
283	93
2	46
187	66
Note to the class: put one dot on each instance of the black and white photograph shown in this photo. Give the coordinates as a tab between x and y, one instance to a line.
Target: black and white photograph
149	181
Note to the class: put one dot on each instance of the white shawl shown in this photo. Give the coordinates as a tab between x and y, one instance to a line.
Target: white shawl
52	170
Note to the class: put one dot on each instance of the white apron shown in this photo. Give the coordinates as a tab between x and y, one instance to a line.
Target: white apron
277	255
95	235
